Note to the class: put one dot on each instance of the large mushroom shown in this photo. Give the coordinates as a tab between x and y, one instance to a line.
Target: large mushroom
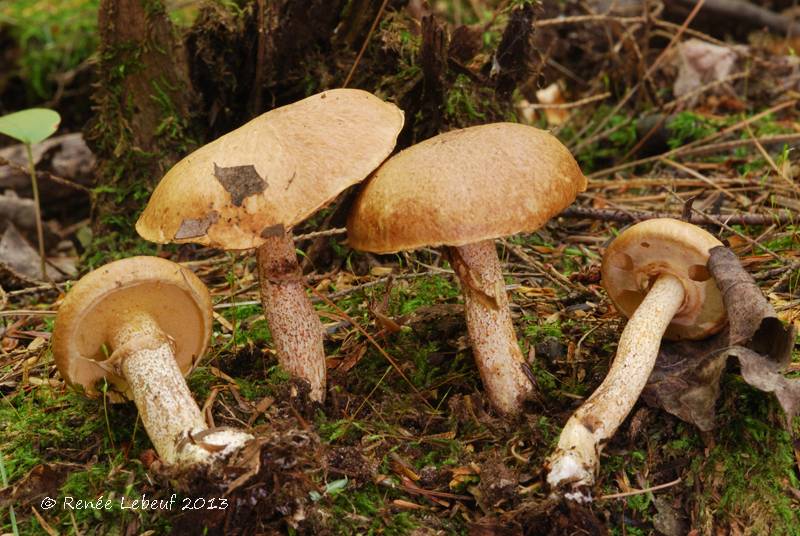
463	189
248	188
140	324
655	273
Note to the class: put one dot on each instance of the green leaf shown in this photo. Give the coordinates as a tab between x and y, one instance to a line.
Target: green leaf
30	126
333	488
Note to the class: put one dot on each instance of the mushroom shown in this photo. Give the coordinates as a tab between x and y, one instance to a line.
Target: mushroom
140	324
248	188
655	273
463	189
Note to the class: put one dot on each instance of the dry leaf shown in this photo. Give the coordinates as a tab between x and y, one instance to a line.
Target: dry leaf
701	63
685	381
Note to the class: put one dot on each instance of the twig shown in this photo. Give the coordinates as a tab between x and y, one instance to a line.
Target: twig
769	159
640	491
567	105
37	288
741	10
724	225
317	234
261	51
366	42
697	147
575	19
332	295
689	31
698	175
380	349
632	91
733	144
46	175
625	216
30	312
666	109
551	274
780	270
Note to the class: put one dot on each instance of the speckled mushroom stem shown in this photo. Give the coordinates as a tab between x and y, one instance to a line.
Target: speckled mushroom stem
168	411
294	324
491	331
576	459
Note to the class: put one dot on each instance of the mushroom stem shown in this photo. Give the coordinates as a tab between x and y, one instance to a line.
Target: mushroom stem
576	459
491	331
294	324
169	412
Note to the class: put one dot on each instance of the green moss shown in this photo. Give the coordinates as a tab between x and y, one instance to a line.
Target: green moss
44	426
363	511
787	242
686	127
338	430
52	37
618	143
200	382
132	160
421	292
40	424
116	245
252	390
462	105
748	472
536	333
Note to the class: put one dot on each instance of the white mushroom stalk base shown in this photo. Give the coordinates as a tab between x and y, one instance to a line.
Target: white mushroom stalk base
168	411
294	324
576	459
491	331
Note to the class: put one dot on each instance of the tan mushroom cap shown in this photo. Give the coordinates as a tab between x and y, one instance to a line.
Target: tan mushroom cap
100	302
273	172
465	186
666	246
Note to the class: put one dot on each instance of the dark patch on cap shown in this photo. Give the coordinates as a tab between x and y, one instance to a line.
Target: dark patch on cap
240	181
273	230
194	228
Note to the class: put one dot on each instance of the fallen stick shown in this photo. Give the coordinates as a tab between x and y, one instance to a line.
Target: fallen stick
624	216
741	11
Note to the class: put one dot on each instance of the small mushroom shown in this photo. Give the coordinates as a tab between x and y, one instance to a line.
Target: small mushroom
463	189
248	188
140	324
655	273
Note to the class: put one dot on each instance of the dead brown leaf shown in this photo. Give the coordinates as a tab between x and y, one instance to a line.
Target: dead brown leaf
685	381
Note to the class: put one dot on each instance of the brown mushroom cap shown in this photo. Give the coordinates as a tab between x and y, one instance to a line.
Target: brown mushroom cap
100	302
465	186
666	246
273	172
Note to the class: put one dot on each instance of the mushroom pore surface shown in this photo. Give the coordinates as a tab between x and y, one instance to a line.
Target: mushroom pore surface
100	302
666	246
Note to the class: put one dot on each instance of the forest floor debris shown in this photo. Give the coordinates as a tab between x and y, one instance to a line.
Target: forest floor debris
392	455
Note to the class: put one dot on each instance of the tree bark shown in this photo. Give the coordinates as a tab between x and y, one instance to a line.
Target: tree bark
144	102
